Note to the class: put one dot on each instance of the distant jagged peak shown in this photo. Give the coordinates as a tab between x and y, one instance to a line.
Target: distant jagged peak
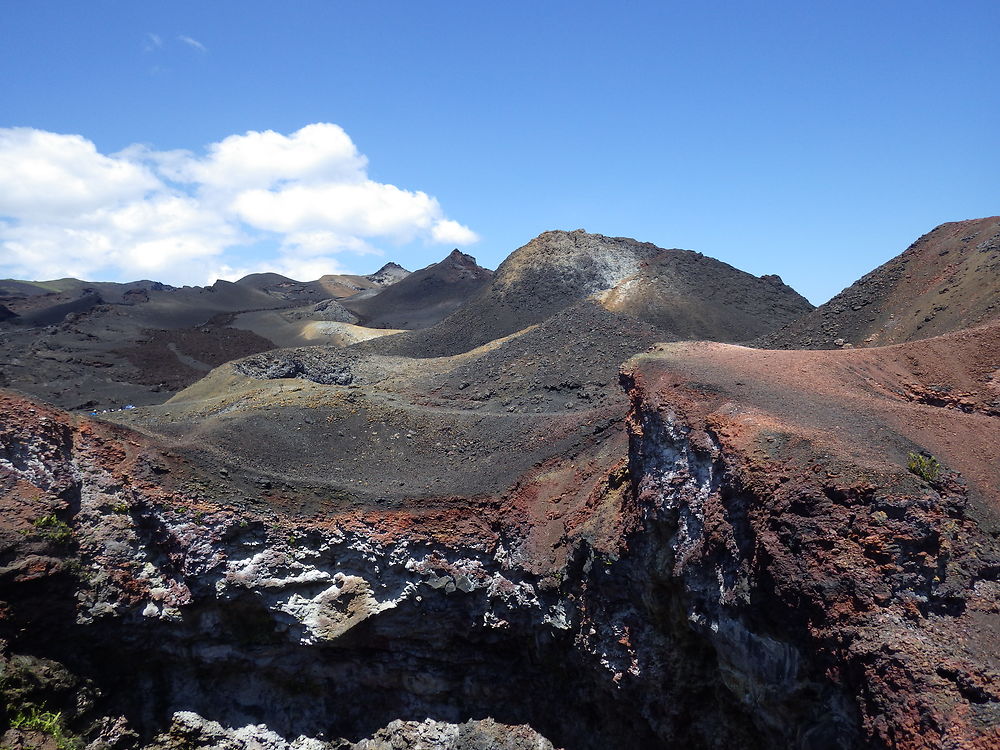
457	256
423	297
462	264
390	273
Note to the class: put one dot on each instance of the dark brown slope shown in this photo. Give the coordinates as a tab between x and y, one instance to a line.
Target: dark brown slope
84	345
424	297
684	293
947	280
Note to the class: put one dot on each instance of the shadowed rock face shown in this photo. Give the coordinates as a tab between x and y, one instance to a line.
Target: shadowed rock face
811	542
947	280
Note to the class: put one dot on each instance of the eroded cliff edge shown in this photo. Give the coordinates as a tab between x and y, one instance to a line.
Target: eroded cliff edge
758	568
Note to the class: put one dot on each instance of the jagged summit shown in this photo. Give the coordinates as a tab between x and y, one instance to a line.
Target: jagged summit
460	262
423	297
558	269
390	273
947	280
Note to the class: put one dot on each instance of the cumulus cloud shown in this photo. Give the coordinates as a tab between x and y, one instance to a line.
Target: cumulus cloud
318	153
47	175
68	210
367	208
448	232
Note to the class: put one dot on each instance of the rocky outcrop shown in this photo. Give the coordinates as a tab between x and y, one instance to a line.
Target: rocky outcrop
390	273
297	363
851	597
189	730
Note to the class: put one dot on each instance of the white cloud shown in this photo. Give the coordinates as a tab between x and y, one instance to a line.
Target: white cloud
49	175
367	209
316	153
193	43
139	238
448	232
68	210
151	42
309	244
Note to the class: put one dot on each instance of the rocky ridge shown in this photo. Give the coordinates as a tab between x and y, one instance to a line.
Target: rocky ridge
681	292
947	280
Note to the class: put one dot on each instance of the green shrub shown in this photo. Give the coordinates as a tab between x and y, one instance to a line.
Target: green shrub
925	467
51	528
34	719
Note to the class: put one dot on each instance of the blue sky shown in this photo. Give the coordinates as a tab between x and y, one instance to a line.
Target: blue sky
812	140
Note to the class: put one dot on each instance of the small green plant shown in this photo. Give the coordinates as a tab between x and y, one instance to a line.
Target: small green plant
52	528
34	719
925	467
121	508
